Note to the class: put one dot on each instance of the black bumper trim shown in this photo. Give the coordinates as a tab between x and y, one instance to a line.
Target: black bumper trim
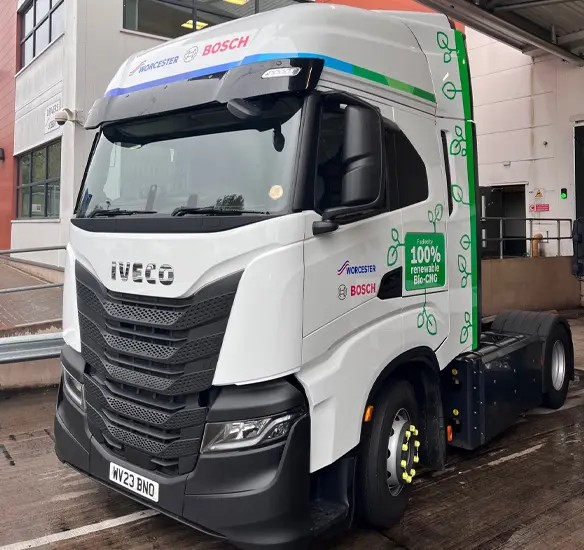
262	504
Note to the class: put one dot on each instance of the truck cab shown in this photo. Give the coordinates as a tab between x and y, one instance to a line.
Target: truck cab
272	288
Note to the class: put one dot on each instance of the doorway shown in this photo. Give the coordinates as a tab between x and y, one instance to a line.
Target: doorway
504	201
579	170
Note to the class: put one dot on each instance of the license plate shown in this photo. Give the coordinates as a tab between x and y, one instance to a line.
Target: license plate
134	482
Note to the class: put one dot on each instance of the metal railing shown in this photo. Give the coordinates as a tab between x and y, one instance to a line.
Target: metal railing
556	224
33	347
18	349
24	251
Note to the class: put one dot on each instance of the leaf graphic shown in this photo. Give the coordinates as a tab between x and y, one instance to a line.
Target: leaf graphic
420	320
442	40
449	90
447	57
455	147
465	242
438	212
464	151
458	132
391	256
461	263
467	317
430	216
464	281
432	324
463	335
395	235
457	193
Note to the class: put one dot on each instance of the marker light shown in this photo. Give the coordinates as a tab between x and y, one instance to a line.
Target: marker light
564	193
283	71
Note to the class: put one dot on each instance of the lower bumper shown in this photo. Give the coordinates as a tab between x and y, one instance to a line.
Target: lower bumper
257	499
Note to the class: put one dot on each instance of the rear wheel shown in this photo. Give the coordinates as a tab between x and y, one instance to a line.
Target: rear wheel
558	365
388	456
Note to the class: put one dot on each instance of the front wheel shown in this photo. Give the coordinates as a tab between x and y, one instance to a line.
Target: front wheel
388	456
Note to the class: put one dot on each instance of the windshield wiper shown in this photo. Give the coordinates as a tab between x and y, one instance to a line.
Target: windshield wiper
117	212
212	211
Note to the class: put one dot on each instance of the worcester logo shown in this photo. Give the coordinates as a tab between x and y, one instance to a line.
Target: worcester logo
144	66
348	269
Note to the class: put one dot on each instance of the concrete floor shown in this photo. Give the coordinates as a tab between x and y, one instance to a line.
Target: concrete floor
523	491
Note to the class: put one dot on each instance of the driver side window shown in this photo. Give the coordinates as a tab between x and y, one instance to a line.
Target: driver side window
329	169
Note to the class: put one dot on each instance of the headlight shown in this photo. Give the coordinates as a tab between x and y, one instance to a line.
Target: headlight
243	434
73	388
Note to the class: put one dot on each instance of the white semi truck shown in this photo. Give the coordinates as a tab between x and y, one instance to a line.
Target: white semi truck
272	308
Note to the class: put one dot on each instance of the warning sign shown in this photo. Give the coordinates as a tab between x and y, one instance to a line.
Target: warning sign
542	207
538	194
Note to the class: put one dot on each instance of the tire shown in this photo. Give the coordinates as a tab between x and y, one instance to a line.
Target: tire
375	502
558	350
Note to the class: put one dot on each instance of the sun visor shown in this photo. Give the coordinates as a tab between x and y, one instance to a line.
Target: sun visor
251	78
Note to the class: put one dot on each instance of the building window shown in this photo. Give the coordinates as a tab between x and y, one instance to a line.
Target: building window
174	18
41	22
38	191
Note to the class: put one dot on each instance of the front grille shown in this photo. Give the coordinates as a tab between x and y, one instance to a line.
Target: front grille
149	363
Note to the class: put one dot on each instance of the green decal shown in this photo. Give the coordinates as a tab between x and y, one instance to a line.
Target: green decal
435	216
450	90
465	242
367	74
463	269
429	320
458	195
392	251
469	132
444	44
425	261
458	145
466	328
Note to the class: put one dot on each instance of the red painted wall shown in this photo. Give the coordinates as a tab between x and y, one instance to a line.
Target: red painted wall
397	5
8	56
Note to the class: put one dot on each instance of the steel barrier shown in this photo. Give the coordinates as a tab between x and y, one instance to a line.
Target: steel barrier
17	349
24	251
529	237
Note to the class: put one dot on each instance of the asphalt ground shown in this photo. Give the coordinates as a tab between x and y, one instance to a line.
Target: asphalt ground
523	491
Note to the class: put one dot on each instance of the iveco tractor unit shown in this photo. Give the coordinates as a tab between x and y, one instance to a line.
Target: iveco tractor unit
272	308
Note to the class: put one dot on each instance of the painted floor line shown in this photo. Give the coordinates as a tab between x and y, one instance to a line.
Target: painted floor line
80	531
513	456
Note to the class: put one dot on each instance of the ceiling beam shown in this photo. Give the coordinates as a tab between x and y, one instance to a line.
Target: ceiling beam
528	4
572	38
488	23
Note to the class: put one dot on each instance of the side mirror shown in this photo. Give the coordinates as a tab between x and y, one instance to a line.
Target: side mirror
362	157
362	166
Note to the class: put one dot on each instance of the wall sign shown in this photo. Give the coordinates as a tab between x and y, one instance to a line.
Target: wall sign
542	207
50	110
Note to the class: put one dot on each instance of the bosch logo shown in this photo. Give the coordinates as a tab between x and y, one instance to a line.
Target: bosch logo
190	54
233	44
342	292
141	273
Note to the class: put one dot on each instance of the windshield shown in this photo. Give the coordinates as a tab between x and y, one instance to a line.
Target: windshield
207	160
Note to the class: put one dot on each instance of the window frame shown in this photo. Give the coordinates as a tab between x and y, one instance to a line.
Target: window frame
202	10
29	184
54	5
